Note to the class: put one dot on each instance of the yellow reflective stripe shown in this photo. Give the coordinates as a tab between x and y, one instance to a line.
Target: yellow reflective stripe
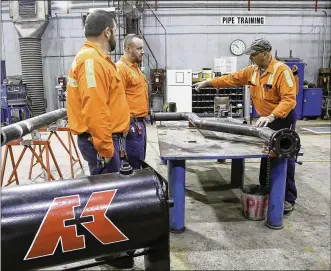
72	82
253	79
74	63
132	71
271	76
89	71
85	50
288	78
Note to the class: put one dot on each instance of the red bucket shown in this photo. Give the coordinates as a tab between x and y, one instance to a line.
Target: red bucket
254	202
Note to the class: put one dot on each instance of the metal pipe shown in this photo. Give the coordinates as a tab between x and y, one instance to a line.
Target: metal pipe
22	128
316	5
284	142
325	35
165	37
210	5
150	50
61	222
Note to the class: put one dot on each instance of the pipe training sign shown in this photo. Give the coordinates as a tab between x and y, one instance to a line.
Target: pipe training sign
243	20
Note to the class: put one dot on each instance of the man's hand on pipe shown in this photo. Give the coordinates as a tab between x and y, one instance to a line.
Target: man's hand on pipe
264	121
202	84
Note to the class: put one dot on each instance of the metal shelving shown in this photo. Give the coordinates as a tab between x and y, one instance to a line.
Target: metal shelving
203	101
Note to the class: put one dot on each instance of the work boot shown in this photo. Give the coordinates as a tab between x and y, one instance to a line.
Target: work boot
288	207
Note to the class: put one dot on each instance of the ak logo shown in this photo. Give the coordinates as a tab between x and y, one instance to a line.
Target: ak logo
53	230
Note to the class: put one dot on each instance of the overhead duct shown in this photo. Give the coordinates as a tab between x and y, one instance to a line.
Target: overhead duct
30	19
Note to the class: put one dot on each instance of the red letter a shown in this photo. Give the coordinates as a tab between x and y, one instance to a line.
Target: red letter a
53	230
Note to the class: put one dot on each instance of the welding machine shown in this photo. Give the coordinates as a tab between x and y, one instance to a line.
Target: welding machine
14	97
13	93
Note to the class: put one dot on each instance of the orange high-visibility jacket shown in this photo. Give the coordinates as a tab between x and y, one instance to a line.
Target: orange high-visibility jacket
136	87
96	101
273	92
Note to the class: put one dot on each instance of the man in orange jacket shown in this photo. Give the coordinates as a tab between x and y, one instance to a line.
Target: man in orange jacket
273	91
97	108
136	89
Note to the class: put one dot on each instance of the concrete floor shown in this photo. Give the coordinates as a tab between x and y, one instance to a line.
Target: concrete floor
217	236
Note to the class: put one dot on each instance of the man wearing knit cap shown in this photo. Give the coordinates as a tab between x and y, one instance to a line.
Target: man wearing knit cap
273	92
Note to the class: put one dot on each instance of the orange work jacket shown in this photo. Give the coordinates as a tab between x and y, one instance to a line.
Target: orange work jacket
136	87
96	101
273	92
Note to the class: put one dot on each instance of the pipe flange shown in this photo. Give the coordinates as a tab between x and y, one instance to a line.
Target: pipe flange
285	143
3	138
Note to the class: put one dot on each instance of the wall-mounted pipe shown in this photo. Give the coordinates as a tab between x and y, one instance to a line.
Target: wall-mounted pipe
30	24
165	36
285	142
240	5
316	5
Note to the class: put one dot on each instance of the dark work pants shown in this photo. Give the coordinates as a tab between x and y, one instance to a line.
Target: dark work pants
89	154
136	144
291	191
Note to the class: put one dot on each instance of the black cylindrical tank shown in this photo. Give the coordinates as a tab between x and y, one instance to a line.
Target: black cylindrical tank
65	221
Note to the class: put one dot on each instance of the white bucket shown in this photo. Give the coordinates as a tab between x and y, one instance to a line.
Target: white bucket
254	202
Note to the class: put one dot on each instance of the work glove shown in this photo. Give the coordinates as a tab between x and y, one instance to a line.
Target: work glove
202	84
264	121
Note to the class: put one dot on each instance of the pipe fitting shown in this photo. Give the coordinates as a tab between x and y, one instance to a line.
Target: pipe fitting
284	143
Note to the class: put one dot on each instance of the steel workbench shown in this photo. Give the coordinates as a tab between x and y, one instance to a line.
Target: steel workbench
178	143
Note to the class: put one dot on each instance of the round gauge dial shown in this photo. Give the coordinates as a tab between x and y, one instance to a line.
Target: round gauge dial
237	47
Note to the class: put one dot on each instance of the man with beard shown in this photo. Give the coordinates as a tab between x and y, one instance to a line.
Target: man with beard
136	90
273	90
97	108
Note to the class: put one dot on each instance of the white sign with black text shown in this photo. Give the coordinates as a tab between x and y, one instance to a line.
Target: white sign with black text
243	20
225	65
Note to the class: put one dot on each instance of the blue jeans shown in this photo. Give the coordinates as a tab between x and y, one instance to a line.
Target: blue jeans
136	144
89	154
291	190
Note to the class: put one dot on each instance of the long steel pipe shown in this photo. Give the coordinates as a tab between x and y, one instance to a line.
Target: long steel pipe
285	142
60	222
22	128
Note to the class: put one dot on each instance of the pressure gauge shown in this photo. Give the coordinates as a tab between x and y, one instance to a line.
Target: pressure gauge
237	47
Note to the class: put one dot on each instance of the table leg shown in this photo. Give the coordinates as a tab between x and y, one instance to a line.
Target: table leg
221	161
237	172
278	167
176	179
